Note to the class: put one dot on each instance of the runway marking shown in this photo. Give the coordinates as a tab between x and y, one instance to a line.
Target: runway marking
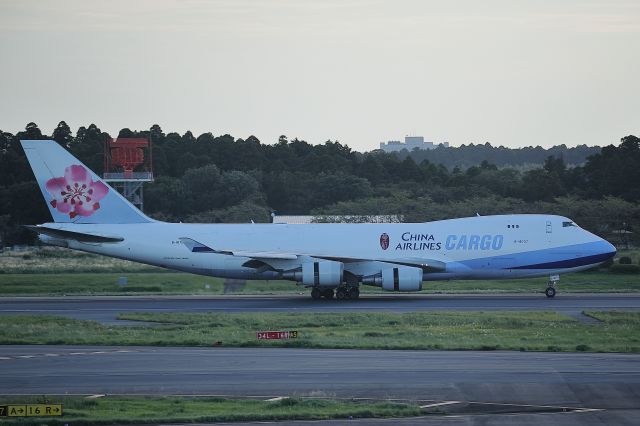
565	409
438	404
50	355
275	399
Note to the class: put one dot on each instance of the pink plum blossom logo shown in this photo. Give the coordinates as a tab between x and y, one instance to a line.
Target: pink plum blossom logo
76	194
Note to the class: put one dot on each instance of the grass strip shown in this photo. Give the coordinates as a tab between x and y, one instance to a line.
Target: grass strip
139	410
524	331
182	283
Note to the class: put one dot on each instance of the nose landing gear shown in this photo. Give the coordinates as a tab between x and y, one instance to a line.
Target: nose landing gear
551	286
550	291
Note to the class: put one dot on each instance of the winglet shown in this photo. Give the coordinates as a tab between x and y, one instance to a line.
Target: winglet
196	247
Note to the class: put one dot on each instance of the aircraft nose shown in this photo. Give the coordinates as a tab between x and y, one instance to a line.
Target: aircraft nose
606	249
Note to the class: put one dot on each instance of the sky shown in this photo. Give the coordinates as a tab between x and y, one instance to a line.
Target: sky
509	72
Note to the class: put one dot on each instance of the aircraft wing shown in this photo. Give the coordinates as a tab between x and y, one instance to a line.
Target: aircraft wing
276	259
197	247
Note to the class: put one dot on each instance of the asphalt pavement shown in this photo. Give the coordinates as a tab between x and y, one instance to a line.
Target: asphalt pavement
106	308
504	388
569	388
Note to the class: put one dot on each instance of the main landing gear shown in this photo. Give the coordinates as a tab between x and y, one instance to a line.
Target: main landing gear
347	293
341	293
551	286
317	293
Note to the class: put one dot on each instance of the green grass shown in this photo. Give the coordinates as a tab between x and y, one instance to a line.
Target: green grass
182	283
526	331
127	410
59	260
145	283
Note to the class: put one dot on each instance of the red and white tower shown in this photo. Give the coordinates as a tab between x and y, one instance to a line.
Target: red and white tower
128	164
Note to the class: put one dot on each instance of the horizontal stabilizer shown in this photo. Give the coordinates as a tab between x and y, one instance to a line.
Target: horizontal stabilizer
82	237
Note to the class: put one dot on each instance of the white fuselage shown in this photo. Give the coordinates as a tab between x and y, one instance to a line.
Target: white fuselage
505	246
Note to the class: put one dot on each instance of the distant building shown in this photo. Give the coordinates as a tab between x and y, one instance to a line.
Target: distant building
410	143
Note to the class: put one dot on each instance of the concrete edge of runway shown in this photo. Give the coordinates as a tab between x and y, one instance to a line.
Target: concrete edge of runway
305	296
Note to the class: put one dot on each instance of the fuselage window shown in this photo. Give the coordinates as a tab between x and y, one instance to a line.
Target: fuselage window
548	227
567	224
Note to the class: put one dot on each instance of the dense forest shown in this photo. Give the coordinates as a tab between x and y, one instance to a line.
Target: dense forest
221	179
466	156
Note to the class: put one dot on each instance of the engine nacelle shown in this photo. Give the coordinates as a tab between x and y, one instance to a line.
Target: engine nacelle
400	278
320	273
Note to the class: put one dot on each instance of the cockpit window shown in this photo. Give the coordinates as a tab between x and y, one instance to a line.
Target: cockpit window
567	224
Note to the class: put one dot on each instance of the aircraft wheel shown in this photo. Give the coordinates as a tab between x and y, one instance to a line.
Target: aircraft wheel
328	294
354	293
550	292
316	293
341	294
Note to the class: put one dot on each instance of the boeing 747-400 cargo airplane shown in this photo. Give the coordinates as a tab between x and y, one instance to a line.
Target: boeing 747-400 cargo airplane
331	259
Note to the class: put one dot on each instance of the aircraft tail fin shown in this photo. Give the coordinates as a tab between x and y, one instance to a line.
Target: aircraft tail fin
74	193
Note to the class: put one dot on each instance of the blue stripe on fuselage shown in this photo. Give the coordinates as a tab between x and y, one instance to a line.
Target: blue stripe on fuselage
570	263
551	258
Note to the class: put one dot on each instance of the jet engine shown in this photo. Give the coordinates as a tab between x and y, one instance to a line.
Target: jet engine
321	273
400	278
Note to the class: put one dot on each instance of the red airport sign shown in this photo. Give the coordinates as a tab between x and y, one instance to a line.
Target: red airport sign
276	335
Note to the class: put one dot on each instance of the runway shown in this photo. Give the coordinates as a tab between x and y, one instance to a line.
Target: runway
530	381
106	308
526	384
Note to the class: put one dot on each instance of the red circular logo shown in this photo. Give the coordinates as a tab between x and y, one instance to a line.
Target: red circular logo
384	241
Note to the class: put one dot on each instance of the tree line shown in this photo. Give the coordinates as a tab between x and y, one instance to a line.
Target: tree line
223	179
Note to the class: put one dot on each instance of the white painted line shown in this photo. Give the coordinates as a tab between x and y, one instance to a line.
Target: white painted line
77	353
98	352
99	395
438	404
26	356
51	354
4	357
587	410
